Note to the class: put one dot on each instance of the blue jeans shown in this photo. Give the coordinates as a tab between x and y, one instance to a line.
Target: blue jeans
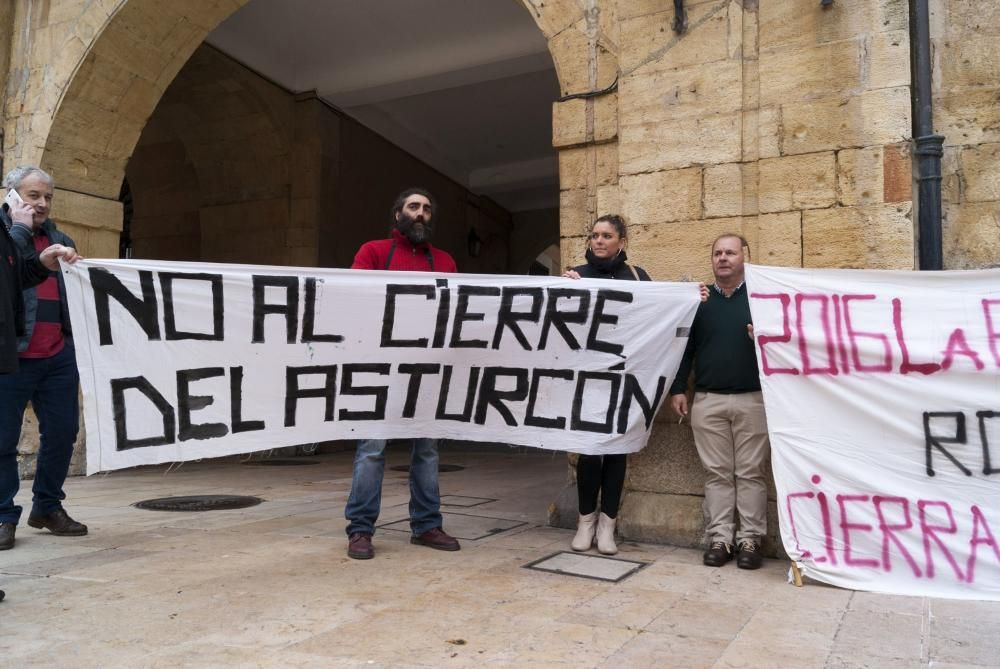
365	502
51	385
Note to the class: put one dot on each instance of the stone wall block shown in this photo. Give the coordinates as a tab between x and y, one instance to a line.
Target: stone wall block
571	54
859	176
730	190
630	9
666	95
89	24
971	116
662	518
797	182
889	60
873	237
794	74
769	132
981	169
681	250
71	12
648	42
971	61
573	214
793	22
951	182
87	211
608	200
867	119
658	197
580	166
143	59
708	139
573	168
669	463
750	42
750	85
144	22
737	30
606	163
606	126
980	16
41	45
971	238
749	129
92	242
775	239
569	124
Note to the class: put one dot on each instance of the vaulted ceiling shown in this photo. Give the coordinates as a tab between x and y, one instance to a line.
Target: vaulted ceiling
465	85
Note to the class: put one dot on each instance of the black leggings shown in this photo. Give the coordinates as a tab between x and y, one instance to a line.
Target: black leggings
604	474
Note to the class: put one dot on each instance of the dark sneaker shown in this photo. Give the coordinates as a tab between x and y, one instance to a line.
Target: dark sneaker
718	554
59	523
7	536
438	539
359	546
749	556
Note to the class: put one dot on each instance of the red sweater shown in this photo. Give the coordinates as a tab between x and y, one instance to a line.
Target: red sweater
405	257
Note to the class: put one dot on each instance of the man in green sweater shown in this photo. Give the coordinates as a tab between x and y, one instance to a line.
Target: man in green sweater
727	414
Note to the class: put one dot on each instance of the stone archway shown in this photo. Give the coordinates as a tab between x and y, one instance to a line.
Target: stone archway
81	113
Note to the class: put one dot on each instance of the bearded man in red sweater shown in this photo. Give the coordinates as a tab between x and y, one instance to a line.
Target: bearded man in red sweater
409	250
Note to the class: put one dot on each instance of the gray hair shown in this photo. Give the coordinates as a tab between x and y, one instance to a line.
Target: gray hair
17	175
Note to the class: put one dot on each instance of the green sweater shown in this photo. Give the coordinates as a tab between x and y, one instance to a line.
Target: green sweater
723	356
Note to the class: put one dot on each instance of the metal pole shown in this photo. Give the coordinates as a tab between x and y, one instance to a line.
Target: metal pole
928	147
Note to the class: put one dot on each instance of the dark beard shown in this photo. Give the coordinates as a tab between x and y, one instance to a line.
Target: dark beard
407	226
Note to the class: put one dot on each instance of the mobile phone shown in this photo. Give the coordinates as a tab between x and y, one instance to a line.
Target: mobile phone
12	199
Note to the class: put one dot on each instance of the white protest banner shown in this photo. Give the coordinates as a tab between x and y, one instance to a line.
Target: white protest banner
882	392
180	361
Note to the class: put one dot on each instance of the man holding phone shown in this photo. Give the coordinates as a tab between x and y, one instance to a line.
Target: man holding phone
37	359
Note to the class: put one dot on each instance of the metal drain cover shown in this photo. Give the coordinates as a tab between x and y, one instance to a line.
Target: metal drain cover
199	503
282	462
441	468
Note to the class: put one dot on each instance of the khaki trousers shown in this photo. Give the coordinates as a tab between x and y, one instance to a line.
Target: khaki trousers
730	433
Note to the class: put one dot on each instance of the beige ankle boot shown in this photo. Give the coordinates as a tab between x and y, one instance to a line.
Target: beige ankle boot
606	535
584	538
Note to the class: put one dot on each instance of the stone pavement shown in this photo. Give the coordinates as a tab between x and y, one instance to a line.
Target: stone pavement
271	586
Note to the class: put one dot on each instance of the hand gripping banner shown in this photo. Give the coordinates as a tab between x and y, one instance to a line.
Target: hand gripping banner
882	392
180	361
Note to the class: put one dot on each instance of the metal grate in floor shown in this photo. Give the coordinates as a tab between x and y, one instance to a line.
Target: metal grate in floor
586	565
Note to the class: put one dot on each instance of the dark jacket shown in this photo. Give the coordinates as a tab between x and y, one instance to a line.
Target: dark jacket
26	245
612	268
16	272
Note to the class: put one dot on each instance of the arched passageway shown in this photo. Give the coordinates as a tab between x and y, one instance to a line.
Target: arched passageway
120	93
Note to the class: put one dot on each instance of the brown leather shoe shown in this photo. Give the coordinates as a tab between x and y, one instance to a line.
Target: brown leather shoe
437	538
7	536
359	546
59	523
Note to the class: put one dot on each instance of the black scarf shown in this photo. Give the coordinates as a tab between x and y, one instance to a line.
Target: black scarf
607	265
